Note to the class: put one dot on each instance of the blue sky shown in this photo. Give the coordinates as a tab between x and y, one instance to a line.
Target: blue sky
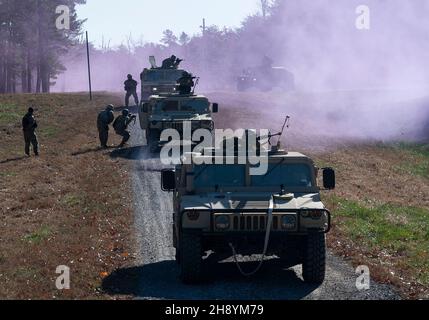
146	19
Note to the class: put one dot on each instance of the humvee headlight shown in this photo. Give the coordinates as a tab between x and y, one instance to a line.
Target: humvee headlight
222	222
155	89
289	222
193	215
313	214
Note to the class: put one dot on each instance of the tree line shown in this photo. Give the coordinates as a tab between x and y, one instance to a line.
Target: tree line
217	55
31	44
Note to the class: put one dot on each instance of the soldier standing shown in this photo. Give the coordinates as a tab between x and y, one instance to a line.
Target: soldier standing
121	126
131	89
29	126
105	118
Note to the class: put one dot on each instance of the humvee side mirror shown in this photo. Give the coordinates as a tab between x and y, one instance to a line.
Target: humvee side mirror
215	108
145	107
329	178
168	180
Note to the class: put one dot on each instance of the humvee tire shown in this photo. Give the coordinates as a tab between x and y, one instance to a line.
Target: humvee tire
191	261
314	264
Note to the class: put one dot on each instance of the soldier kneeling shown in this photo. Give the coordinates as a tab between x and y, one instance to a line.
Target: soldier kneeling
121	126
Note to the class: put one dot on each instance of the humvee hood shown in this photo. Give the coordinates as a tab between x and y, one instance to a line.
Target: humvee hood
235	201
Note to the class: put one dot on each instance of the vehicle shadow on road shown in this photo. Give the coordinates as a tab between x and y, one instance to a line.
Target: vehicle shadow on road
134	153
161	281
13	159
131	153
89	150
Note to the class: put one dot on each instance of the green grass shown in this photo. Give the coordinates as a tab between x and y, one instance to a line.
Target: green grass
38	236
72	200
418	164
25	273
401	230
10	114
48	131
8	174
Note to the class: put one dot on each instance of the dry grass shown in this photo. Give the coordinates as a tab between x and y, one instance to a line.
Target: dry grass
381	204
381	212
68	207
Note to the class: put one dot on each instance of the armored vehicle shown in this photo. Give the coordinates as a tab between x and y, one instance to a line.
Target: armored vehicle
221	208
266	79
171	111
158	80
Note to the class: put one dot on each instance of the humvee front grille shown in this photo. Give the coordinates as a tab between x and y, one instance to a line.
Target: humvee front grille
254	223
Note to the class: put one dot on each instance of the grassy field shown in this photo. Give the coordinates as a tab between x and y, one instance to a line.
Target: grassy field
68	207
71	205
381	212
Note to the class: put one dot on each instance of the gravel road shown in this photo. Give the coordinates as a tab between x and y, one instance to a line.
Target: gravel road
155	275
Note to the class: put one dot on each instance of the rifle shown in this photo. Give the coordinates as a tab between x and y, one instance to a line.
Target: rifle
133	119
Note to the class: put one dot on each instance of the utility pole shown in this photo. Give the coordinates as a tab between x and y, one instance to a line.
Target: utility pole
203	27
204	53
89	66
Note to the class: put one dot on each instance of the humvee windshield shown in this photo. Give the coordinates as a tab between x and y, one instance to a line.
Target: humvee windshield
166	106
161	75
288	175
210	176
195	106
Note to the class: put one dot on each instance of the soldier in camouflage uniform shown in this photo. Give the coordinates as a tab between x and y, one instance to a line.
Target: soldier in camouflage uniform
131	89
105	118
185	83
29	125
171	63
121	126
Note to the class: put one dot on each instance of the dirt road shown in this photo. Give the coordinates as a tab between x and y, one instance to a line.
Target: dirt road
156	273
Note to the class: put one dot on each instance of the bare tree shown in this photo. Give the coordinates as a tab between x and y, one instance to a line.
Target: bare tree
265	6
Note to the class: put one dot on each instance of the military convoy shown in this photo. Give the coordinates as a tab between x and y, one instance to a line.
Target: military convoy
221	208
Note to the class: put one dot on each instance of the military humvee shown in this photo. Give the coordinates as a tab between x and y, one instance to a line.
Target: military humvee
170	111
266	79
157	80
221	208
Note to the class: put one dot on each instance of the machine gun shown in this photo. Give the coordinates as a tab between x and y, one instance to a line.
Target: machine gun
286	125
197	81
